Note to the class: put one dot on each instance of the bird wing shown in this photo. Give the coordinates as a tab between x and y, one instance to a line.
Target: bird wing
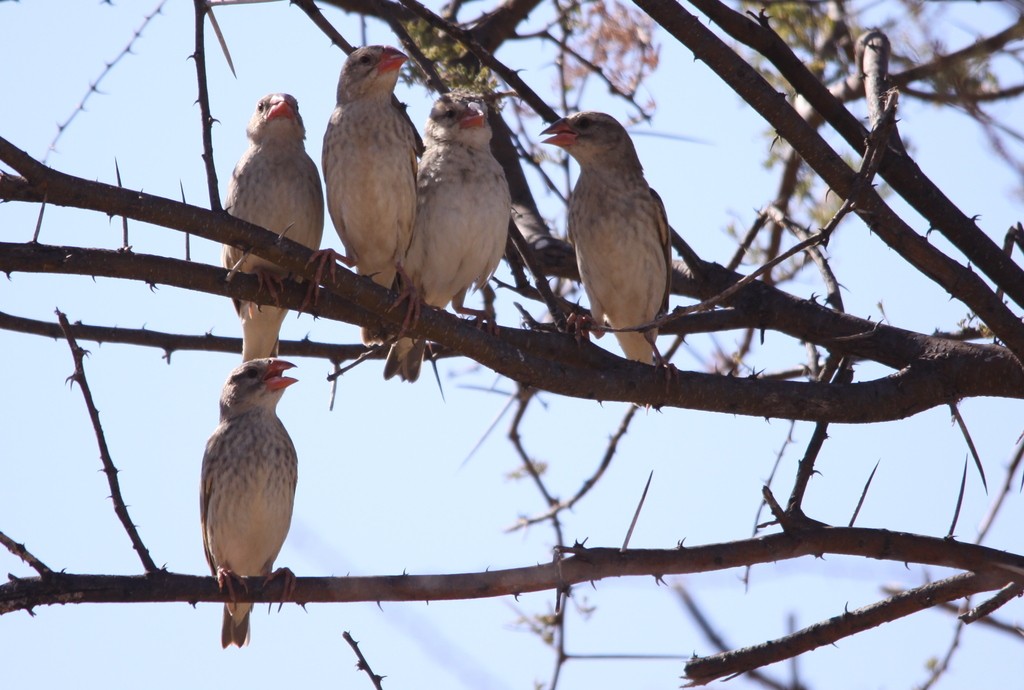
665	239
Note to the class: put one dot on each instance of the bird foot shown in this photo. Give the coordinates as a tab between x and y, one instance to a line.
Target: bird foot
289	583
326	261
228	580
270	281
411	296
580	325
671	373
482	319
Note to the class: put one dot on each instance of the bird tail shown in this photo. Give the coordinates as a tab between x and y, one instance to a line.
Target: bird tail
235	630
636	346
260	328
404	359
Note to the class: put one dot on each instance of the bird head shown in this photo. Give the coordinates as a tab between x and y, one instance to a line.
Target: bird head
459	116
255	384
370	71
592	138
276	117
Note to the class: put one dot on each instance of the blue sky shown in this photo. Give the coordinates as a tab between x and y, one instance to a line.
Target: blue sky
384	484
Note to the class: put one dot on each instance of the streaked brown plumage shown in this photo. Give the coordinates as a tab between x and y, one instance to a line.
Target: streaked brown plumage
462	214
617	224
248	484
275	185
369	164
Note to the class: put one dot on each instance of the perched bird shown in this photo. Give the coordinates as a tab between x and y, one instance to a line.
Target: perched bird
248	486
462	214
369	164
619	228
275	185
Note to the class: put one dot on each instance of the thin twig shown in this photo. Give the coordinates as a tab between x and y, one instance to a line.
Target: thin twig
24	554
78	354
94	86
985	609
510	76
997	502
362	664
706	669
716	639
199	57
590	482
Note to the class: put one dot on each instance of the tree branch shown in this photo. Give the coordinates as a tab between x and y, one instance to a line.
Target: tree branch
993	569
955	278
78	354
705	670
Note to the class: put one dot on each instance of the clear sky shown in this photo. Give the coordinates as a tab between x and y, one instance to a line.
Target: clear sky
384	485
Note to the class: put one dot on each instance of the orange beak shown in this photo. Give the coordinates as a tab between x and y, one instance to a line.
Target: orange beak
392	59
474	117
281	109
563	134
273	379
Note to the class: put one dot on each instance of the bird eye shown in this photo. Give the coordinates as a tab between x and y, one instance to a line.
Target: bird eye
583	123
450	114
252	373
260	106
364	60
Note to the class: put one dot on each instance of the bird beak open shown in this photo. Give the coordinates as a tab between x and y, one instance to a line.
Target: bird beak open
563	134
474	117
281	109
392	59
273	379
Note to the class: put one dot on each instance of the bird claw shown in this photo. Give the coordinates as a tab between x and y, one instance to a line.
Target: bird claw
482	319
671	372
228	580
326	261
272	282
289	584
579	325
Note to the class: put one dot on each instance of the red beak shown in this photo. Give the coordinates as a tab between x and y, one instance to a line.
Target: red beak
281	109
273	379
563	134
474	117
391	59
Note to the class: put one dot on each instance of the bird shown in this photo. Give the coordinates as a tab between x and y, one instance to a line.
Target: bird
462	215
274	185
618	226
369	165
247	489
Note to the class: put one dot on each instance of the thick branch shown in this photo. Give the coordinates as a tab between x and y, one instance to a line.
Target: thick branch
581	565
549	361
172	342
